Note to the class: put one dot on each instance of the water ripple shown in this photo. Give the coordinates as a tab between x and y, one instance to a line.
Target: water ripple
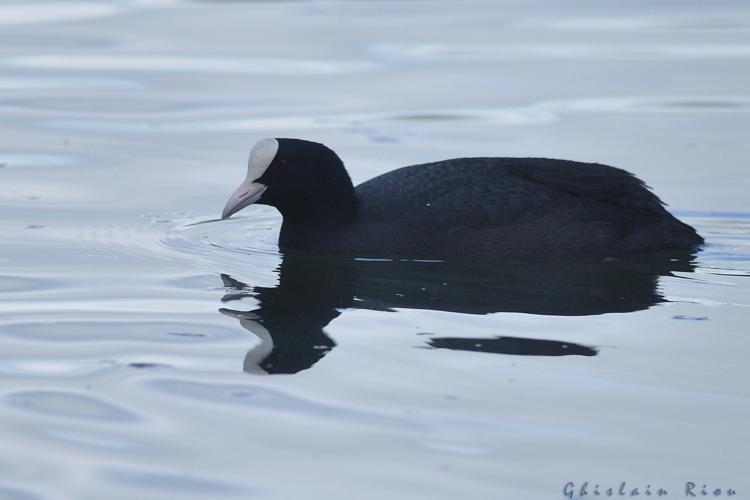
11	493
68	405
27	83
194	64
262	398
573	51
170	481
11	14
24	160
220	246
639	23
536	113
154	331
14	284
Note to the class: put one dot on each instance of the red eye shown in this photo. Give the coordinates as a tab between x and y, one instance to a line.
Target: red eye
282	163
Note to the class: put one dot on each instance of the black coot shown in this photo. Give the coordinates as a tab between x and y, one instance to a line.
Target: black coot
498	208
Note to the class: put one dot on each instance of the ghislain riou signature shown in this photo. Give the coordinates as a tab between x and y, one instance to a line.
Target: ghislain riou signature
623	489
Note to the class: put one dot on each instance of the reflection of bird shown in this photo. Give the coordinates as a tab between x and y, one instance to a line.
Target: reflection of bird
511	208
313	289
292	316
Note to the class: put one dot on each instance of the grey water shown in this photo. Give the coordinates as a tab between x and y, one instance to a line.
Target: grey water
150	351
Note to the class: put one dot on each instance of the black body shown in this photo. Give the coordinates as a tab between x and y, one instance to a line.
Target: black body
515	209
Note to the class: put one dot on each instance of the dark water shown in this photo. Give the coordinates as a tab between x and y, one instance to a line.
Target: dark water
138	332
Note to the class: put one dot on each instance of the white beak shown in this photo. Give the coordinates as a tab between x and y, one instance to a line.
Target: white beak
248	193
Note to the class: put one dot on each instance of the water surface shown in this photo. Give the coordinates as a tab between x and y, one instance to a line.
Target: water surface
151	351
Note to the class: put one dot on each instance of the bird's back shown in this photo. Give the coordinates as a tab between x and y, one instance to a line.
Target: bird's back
514	207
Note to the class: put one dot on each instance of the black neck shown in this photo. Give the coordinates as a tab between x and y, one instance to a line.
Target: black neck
332	204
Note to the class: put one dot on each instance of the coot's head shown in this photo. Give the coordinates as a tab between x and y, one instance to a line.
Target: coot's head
300	178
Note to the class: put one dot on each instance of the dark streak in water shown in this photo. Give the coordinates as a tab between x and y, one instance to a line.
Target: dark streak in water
513	345
434	117
690	318
186	334
703	104
145	365
202	222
